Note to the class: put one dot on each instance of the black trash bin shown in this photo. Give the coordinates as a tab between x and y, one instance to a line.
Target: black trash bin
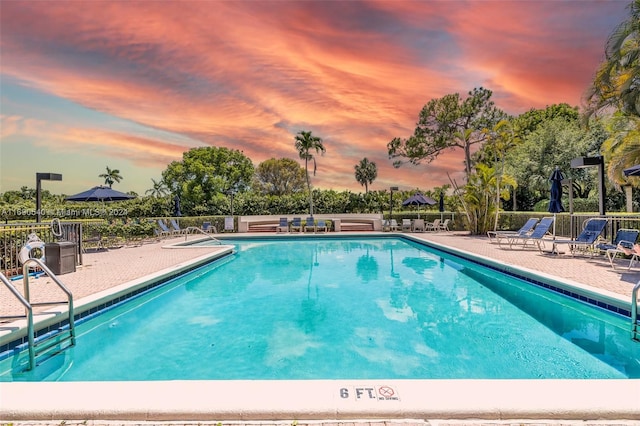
60	257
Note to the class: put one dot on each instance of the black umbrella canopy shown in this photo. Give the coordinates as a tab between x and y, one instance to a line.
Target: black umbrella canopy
418	200
632	171
100	193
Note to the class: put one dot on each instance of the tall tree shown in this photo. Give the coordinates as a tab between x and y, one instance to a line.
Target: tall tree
449	123
366	173
111	176
279	177
206	173
617	81
305	143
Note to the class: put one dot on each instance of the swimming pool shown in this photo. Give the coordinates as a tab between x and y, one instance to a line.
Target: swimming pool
344	308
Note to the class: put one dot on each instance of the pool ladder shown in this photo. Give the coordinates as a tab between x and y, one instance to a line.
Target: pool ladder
635	327
54	342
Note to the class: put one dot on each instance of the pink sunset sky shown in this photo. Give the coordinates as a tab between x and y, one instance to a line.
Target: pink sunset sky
133	84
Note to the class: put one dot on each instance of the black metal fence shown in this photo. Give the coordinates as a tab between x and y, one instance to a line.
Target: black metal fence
14	236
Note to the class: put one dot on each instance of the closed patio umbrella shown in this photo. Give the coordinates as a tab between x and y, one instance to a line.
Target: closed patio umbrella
555	200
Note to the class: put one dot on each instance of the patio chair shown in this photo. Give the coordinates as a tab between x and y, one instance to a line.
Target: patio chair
626	236
93	241
208	228
310	225
406	225
176	227
418	225
444	226
524	230
164	229
296	225
321	227
283	225
633	251
587	239
229	224
433	226
536	237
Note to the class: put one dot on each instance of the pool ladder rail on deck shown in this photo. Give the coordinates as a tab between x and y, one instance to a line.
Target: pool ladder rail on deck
54	342
635	326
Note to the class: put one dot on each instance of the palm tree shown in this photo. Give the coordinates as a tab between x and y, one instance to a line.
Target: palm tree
111	176
622	149
158	190
617	81
305	142
366	173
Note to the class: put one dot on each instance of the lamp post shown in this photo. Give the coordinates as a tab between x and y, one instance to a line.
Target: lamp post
41	177
393	188
582	162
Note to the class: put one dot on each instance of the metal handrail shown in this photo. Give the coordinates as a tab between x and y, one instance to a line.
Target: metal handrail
29	315
634	312
196	229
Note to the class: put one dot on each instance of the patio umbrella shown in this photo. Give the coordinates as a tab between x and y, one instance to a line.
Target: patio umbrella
100	193
441	204
632	171
418	200
555	201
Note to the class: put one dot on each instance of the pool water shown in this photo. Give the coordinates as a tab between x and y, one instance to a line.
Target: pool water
348	308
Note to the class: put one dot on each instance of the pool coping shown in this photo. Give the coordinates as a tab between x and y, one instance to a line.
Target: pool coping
259	400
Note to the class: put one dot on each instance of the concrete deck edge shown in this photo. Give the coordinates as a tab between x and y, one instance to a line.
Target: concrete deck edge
322	399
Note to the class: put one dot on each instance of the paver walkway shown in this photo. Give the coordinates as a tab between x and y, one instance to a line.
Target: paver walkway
106	269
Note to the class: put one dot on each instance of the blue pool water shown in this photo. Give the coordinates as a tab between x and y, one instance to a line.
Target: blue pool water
365	308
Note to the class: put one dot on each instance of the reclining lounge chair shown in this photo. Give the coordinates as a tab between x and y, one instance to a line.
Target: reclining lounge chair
586	240
536	236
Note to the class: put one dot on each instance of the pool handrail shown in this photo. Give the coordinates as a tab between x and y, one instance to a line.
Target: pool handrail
190	229
634	312
28	314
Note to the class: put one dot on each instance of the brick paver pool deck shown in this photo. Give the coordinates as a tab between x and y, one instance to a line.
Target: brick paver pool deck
106	269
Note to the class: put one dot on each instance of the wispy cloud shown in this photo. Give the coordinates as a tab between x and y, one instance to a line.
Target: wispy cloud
249	75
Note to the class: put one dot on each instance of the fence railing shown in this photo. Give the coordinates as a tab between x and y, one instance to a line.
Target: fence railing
14	236
569	226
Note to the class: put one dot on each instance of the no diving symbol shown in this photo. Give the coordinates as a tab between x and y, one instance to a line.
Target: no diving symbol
387	393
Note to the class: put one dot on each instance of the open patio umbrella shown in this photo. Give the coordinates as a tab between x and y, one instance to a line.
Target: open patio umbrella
632	171
100	193
418	200
555	200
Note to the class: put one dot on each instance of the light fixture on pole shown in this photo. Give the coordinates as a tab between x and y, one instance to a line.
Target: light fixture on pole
41	177
582	162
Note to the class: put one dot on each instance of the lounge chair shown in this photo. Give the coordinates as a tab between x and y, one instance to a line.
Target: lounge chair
587	239
321	226
176	227
524	230
627	237
93	241
206	227
309	225
633	251
406	225
283	226
444	226
296	225
418	225
164	229
393	225
433	226
537	236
